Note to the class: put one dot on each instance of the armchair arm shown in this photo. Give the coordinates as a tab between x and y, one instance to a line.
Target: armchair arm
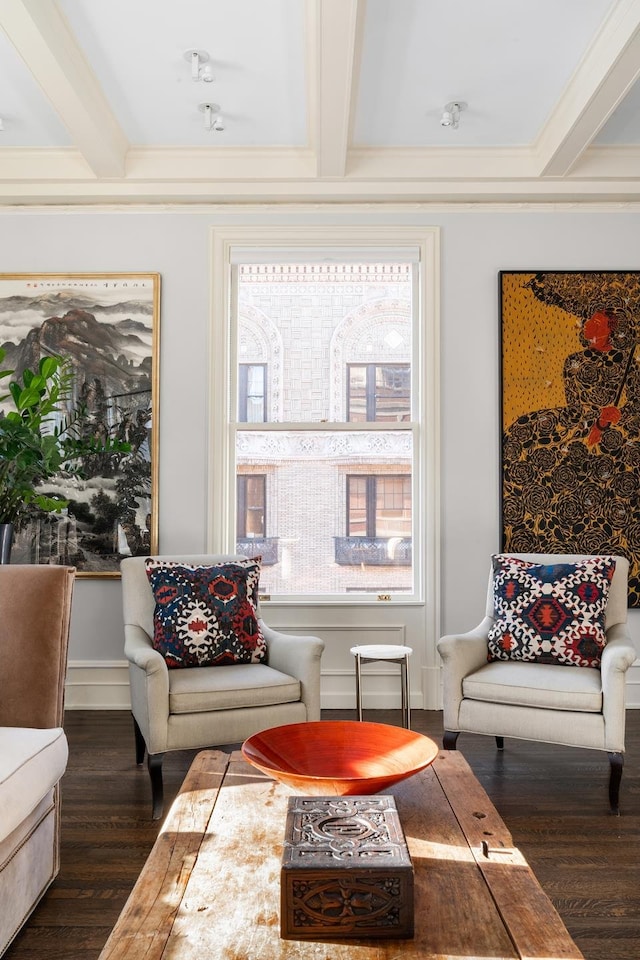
618	655
149	686
300	658
461	655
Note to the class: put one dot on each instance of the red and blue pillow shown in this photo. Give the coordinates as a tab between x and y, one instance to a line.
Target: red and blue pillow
550	613
206	615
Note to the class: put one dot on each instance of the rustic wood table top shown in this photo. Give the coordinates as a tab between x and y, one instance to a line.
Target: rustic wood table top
211	885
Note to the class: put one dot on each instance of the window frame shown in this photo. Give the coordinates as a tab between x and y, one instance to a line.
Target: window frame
330	241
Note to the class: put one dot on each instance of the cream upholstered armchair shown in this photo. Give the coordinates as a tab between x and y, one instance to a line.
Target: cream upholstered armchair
578	706
182	709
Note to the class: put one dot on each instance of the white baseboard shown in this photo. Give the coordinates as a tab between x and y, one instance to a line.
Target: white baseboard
104	685
97	685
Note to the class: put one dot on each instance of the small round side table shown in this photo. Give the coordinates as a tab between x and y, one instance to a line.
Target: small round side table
392	653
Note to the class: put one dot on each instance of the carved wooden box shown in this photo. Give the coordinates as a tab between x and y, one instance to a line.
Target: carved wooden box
346	870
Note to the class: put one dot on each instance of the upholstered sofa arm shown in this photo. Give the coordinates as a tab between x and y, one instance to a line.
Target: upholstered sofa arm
149	687
461	655
617	656
299	657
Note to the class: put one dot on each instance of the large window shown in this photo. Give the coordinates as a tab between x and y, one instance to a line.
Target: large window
325	392
338	342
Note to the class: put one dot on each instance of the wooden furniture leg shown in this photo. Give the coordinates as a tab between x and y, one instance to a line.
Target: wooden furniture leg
154	763
616	761
140	744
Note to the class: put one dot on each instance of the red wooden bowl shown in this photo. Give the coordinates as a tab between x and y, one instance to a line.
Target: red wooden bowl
339	757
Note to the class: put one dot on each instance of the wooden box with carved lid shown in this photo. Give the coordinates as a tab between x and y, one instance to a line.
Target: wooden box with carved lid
346	870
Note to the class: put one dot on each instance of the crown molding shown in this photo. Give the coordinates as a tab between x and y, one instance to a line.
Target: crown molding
219	175
370	212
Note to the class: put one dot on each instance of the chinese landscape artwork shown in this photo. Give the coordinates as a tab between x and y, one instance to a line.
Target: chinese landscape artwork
107	325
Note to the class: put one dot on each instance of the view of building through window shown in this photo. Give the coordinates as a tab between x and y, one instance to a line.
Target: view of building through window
324	441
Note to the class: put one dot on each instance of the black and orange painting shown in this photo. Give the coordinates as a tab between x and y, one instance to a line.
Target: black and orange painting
571	414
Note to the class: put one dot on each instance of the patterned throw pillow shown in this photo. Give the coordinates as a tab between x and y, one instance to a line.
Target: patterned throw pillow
550	613
206	615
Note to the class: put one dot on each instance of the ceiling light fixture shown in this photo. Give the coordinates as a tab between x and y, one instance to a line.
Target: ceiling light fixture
212	116
451	113
199	72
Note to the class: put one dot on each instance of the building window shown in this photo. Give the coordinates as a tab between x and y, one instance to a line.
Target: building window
378	522
251	509
378	506
251	519
378	392
252	392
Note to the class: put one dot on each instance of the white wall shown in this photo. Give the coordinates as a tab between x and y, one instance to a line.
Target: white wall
475	244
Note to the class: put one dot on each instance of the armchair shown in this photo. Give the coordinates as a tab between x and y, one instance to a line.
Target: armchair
183	709
571	705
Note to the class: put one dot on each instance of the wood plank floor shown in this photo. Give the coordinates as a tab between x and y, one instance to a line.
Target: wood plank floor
553	800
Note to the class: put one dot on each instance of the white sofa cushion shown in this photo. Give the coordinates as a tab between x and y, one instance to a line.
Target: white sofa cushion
31	763
544	685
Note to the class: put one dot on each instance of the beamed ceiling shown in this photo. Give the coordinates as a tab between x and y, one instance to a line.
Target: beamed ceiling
321	100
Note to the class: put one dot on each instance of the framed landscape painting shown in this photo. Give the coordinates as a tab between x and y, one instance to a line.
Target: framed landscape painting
107	325
570	414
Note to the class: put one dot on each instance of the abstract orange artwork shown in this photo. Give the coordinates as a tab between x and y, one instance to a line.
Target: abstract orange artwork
570	414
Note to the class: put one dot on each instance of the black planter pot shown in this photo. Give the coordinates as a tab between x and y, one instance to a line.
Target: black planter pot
6	541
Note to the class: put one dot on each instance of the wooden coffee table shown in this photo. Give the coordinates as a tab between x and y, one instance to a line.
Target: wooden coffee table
211	885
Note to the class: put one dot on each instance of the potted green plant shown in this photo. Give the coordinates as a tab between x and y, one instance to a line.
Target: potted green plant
40	439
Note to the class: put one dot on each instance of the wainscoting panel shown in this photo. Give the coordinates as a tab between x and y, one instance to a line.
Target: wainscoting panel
380	681
633	685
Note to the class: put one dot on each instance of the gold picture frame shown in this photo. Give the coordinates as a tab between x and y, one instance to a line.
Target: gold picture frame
108	325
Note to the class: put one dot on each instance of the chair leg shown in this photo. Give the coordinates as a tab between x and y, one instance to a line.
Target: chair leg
140	744
449	739
500	743
616	762
154	763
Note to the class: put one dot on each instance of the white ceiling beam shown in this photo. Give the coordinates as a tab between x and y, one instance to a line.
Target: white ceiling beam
339	41
41	36
607	72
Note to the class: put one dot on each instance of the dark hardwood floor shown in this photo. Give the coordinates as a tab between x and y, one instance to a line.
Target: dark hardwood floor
553	799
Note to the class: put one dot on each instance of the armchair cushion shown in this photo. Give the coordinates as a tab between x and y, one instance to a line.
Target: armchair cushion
206	615
240	685
550	613
536	685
